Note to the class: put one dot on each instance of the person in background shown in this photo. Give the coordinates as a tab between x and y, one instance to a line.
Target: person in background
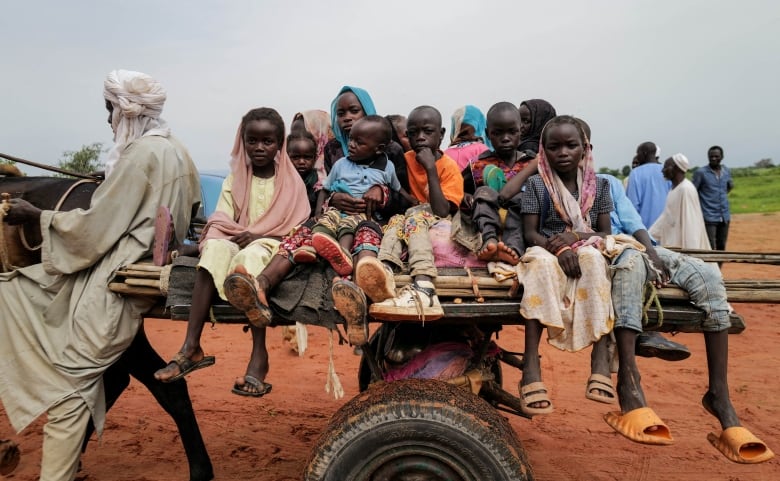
714	182
647	187
534	114
399	131
681	223
467	136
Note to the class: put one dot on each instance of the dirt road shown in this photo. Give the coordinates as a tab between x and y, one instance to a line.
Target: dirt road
269	439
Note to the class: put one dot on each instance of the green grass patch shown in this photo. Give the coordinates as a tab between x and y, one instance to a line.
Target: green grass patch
755	190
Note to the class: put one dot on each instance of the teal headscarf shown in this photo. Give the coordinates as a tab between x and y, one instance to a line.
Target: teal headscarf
365	102
469	115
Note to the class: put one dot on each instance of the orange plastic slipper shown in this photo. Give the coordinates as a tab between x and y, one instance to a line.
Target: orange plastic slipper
741	446
637	425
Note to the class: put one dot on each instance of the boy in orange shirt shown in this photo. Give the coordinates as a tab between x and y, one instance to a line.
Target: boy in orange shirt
436	182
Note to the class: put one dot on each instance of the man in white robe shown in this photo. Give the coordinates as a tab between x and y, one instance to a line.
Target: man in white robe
60	325
681	223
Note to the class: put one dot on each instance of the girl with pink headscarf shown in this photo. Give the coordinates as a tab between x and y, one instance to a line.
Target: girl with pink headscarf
262	199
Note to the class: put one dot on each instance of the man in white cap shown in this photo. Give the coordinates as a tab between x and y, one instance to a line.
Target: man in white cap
681	224
61	326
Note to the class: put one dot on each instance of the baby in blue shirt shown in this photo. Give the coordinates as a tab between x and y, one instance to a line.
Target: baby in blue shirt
365	173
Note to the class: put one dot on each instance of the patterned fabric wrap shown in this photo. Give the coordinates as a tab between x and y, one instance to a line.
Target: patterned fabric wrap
300	236
368	236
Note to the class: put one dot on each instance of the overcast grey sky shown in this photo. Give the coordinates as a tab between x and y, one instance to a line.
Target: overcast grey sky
685	74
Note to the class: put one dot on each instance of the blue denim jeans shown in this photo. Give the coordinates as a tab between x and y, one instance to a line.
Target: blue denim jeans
702	282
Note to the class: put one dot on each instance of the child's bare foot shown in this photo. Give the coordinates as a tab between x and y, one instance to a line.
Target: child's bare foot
488	250
492	250
507	254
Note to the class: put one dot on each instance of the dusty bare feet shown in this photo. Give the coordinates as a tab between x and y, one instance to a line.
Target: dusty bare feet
488	250
493	250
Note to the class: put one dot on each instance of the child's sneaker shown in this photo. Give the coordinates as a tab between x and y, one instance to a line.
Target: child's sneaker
304	255
350	301
375	278
329	249
417	302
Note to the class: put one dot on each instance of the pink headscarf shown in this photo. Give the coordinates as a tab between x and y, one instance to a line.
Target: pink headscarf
289	205
317	123
575	214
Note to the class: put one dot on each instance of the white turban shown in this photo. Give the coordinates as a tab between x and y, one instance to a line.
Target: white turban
138	100
681	162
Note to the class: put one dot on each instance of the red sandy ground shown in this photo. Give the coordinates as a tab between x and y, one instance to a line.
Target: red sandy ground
270	438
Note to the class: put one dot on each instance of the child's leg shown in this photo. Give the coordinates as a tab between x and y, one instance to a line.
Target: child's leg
371	275
212	269
512	236
324	240
420	300
203	294
253	382
536	399
346	230
392	246
241	288
297	246
487	221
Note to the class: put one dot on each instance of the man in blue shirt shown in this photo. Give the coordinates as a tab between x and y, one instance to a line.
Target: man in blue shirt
647	188
714	182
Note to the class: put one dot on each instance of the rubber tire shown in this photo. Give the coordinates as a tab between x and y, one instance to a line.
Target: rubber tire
418	429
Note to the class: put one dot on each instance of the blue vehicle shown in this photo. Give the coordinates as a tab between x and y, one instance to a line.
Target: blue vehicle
210	188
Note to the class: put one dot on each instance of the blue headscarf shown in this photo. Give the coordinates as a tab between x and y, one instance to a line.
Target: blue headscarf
365	102
469	115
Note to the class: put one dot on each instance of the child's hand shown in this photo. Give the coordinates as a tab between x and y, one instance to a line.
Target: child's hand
570	264
347	204
373	199
426	158
244	239
665	276
559	241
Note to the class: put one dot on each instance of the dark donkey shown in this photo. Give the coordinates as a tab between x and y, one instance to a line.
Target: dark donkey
140	360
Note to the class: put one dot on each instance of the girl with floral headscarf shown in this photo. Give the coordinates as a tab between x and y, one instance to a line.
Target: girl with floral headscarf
566	288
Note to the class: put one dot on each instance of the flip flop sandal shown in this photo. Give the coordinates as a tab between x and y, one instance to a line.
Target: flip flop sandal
636	425
186	365
741	446
241	292
598	382
262	388
533	393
